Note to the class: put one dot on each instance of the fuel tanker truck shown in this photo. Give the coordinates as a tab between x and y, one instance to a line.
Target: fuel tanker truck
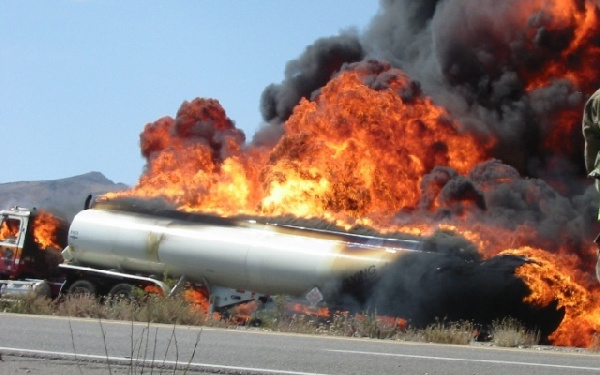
114	247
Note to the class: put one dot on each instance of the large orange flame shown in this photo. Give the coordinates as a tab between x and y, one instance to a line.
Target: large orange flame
338	159
341	152
555	277
571	28
45	230
578	23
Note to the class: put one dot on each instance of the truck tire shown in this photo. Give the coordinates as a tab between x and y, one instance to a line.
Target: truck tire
121	291
82	288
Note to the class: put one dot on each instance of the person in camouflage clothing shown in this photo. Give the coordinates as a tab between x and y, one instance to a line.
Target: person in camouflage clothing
591	133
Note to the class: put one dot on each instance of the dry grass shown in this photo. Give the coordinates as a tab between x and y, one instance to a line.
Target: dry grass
154	309
509	332
29	304
365	325
177	310
442	332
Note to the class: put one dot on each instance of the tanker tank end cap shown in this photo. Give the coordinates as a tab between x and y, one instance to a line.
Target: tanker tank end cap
67	253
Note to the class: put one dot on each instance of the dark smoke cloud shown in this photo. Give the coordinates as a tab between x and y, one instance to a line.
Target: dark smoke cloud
376	75
311	71
400	34
474	58
133	204
498	197
432	184
205	121
514	202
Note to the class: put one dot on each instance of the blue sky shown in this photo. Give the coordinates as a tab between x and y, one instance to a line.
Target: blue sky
80	79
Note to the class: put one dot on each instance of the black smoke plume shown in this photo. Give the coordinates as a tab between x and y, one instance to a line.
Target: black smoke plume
303	76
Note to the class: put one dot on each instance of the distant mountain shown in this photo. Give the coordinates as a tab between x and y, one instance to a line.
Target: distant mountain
64	197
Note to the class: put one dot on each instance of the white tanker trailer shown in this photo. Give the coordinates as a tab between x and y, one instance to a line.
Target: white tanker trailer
111	250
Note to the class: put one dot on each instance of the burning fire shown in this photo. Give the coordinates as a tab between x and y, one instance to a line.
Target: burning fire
338	159
576	62
555	277
341	153
370	148
9	229
45	230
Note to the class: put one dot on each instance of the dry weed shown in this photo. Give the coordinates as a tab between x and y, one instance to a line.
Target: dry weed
509	332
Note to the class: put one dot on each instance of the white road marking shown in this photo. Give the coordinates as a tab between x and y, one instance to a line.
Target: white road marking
466	359
128	361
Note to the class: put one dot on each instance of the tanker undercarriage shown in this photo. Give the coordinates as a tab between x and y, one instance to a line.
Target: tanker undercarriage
82	281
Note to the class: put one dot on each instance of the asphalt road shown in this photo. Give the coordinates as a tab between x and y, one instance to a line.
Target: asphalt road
53	345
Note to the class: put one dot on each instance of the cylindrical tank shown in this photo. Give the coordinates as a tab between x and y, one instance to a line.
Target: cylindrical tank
240	254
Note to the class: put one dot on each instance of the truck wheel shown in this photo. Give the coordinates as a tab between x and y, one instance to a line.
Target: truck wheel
81	288
121	291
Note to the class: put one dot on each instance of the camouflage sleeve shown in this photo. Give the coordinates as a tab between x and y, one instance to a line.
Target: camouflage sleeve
591	133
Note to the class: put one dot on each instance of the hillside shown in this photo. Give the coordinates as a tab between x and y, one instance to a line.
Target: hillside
63	197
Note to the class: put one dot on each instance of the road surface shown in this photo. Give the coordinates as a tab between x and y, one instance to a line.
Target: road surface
57	345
